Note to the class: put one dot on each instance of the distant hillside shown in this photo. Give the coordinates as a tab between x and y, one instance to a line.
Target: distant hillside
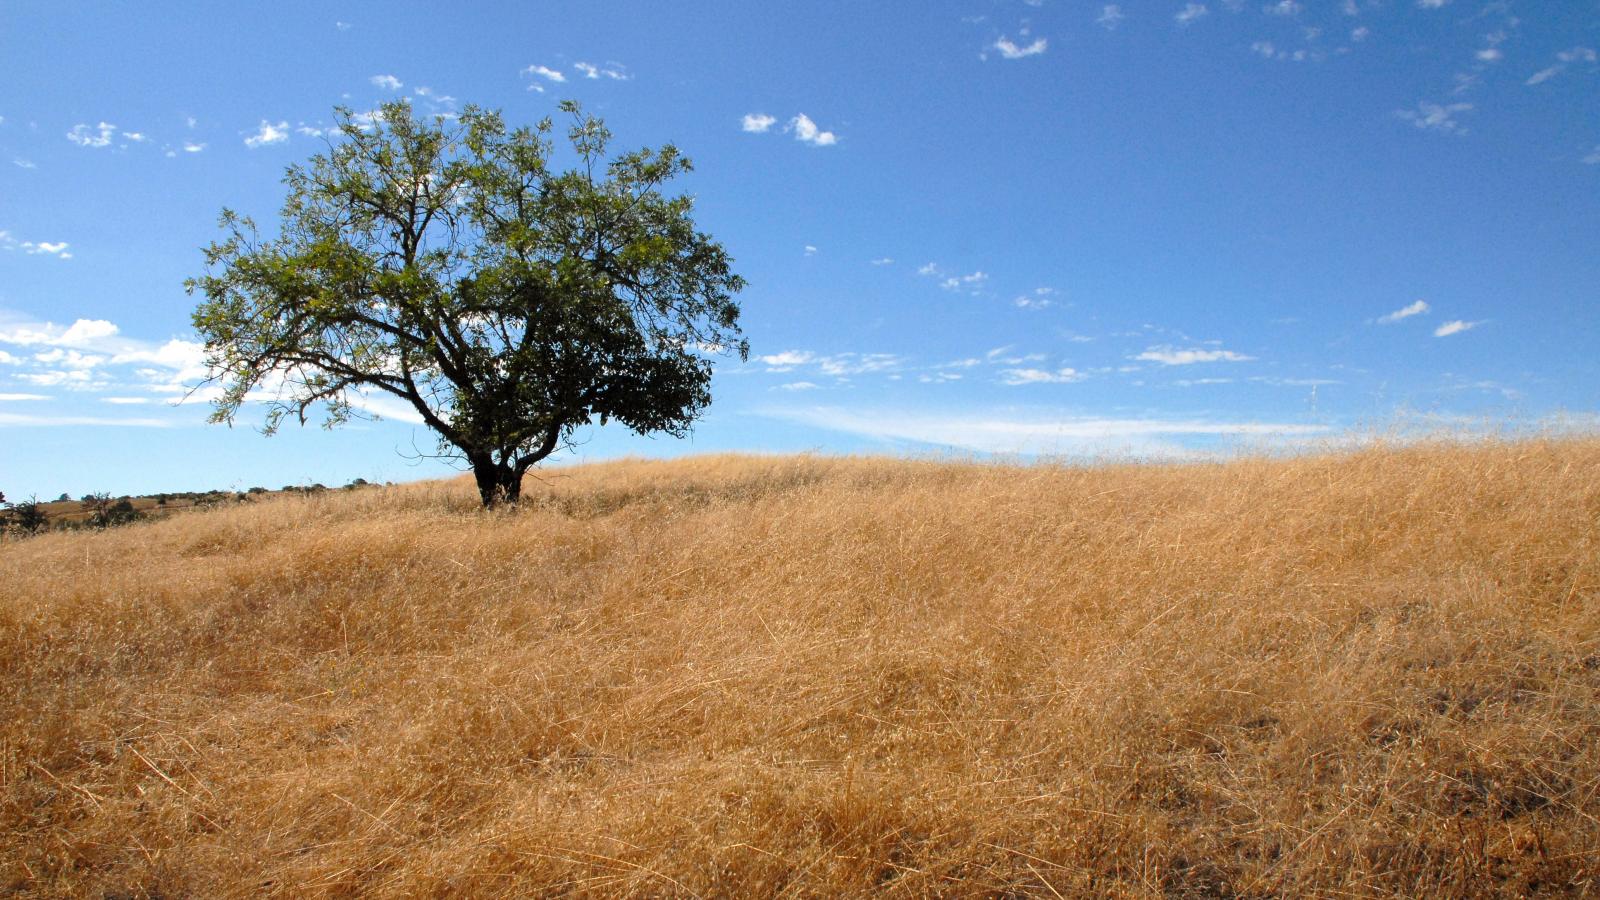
1369	674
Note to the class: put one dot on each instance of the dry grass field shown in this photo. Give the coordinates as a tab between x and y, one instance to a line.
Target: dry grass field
1364	674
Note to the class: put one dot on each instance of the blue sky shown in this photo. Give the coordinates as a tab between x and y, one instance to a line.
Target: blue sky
991	226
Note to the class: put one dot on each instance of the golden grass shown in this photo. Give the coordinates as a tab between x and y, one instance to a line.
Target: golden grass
1365	674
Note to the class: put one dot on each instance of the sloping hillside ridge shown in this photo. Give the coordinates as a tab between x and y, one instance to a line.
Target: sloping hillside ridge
1375	672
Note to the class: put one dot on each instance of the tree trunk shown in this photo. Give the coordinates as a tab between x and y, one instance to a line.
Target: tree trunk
497	483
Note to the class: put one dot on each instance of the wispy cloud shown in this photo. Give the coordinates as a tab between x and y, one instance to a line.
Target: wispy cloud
1010	50
613	71
971	282
1039	299
19	420
387	82
268	133
58	249
23	398
786	360
1190	13
1593	158
883	261
1455	326
99	136
757	123
21	163
545	72
1283	8
1405	312
1040	376
93	354
1436	117
1040	431
1169	356
806	131
1564	59
837	365
1110	17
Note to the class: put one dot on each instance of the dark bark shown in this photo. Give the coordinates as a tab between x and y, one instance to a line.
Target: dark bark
497	483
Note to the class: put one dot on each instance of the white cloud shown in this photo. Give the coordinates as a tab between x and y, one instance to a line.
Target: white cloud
343	26
799	386
1110	17
1490	55
806	131
612	71
1282	8
972	282
788	359
20	398
128	401
99	136
184	356
1544	75
1190	13
1405	312
1360	34
844	364
1594	156
21	163
1010	50
135	136
26	421
1435	117
57	249
81	333
546	73
191	147
883	261
810	250
387	82
1003	356
1040	376
838	365
1455	326
757	123
1169	356
928	269
69	359
1432	4
268	133
86	355
1563	59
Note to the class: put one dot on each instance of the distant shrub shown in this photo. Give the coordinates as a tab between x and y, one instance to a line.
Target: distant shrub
27	517
107	513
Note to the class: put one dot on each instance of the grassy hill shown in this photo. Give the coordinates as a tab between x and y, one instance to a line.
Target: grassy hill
1374	674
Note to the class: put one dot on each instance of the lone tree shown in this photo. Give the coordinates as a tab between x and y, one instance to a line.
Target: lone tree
449	264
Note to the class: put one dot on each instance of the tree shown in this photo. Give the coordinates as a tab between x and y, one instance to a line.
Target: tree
29	517
450	265
107	513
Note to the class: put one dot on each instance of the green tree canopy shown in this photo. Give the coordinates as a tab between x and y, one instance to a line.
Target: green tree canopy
449	264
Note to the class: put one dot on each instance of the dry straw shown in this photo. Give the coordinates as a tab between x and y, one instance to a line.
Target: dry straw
1367	674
